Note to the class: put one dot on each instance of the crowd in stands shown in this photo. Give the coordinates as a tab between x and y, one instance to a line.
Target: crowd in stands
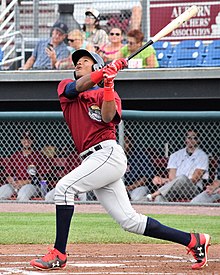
115	42
29	173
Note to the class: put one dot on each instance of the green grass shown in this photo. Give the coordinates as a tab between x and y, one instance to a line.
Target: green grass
32	228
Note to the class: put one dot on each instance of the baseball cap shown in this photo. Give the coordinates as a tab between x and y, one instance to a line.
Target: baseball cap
62	27
92	11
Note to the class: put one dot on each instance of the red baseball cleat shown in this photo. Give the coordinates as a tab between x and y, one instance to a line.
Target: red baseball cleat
198	246
52	260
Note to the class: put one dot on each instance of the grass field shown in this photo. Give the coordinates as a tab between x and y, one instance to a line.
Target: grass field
38	228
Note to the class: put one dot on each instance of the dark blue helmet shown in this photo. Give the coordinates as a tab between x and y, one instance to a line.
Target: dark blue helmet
99	63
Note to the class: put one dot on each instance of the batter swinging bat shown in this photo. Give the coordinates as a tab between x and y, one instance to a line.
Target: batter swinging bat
186	15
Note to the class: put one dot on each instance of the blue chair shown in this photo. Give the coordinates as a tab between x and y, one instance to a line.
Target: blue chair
187	58
190	45
163	52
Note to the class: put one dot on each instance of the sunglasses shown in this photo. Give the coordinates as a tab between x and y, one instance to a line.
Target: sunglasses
115	33
131	43
72	40
90	16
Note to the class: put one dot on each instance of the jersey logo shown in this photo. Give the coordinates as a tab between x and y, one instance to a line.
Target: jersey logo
95	113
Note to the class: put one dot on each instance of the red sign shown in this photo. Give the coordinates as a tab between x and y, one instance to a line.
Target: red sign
205	25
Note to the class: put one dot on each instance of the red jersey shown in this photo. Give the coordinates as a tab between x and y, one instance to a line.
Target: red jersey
83	116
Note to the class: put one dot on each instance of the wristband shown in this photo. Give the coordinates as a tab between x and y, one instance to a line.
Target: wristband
108	94
96	76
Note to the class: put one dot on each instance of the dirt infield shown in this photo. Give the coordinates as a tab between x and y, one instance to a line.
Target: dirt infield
112	259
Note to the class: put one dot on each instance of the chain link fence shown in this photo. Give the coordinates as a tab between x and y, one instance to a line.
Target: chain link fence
153	138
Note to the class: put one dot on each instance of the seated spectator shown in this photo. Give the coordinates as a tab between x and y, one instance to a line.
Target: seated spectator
212	192
110	50
93	32
76	41
25	169
140	171
64	162
145	59
48	52
188	167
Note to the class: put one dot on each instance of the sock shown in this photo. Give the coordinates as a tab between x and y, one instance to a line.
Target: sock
64	215
157	230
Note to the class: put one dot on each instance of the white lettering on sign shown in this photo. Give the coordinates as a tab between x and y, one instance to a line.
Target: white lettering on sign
191	32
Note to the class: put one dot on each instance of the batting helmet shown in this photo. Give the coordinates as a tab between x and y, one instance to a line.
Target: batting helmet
99	63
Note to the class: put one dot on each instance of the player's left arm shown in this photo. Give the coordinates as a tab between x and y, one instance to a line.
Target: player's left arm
109	106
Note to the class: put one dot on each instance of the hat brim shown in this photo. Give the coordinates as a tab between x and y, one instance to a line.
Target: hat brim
63	32
80	53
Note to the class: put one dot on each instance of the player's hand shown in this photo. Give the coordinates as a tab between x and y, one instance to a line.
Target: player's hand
109	73
119	64
108	84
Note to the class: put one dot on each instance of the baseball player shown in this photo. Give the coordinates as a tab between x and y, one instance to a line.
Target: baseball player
91	113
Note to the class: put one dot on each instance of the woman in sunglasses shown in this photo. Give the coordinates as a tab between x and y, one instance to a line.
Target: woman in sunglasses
109	51
147	57
76	41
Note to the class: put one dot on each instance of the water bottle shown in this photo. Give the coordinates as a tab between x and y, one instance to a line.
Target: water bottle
43	188
32	171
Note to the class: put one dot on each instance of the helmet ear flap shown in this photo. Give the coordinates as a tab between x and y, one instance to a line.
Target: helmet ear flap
96	67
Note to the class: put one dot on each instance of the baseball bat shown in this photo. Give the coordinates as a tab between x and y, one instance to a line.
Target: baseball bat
186	15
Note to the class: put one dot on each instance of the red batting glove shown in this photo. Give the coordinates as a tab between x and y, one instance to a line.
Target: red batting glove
119	64
109	73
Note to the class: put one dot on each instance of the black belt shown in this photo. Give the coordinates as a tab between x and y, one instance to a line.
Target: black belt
96	148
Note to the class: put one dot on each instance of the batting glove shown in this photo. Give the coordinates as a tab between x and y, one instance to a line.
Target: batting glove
119	64
109	73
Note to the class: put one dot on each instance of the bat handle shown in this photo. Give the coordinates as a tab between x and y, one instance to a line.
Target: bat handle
150	42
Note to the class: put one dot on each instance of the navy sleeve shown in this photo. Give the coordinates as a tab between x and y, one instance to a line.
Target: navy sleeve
70	90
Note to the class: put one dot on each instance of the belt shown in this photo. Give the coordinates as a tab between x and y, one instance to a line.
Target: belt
90	151
100	145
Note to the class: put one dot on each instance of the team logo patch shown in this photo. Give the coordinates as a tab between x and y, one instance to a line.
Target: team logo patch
95	113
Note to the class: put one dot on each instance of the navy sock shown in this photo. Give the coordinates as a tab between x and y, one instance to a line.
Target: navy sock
157	230
64	215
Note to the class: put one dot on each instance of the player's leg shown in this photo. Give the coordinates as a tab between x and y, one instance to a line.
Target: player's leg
101	168
6	191
115	200
26	192
204	197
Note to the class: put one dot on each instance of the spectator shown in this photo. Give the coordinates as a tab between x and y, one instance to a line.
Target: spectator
64	162
127	19
93	32
140	171
25	169
48	52
110	50
76	41
136	17
212	192
146	58
187	169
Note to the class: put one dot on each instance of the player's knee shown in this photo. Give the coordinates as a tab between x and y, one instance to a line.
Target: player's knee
135	223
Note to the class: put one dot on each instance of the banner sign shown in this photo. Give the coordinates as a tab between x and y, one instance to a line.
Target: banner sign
205	25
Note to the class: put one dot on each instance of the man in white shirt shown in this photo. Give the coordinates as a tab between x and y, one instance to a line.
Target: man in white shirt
188	167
